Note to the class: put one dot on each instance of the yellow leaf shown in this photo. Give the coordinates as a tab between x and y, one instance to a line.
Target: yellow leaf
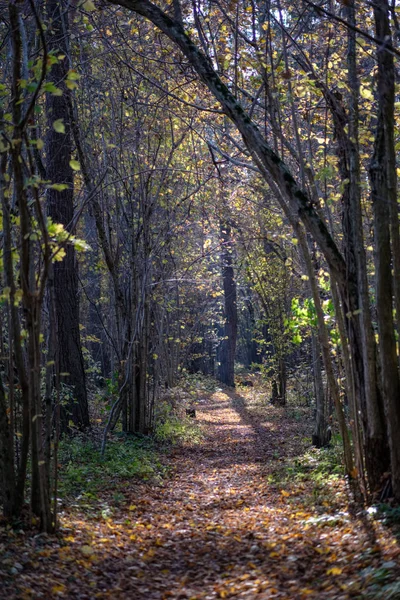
58	589
285	493
132	507
366	93
74	164
334	571
71	85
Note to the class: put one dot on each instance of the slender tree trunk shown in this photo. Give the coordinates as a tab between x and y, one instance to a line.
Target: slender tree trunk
226	372
324	341
7	468
320	433
20	194
350	390
7	472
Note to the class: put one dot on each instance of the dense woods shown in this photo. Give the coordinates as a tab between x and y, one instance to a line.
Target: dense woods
197	187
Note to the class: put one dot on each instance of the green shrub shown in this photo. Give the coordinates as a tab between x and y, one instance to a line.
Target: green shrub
172	429
83	471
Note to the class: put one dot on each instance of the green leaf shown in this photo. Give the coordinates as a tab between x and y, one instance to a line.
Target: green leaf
88	5
74	164
73	75
50	87
297	339
59	126
59	187
60	255
81	245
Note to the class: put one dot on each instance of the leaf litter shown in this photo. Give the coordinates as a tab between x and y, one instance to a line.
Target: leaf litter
225	523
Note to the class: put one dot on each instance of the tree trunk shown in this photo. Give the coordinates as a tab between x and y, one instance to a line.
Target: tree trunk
320	433
326	357
61	210
383	194
375	438
7	472
226	372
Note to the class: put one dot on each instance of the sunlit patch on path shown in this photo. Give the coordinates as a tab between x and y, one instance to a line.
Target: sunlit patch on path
216	528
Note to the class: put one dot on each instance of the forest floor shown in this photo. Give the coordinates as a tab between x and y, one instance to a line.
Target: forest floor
245	513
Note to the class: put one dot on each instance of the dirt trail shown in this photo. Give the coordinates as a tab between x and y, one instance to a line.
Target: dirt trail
214	529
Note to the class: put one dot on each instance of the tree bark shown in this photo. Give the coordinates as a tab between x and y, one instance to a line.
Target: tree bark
226	372
326	357
375	437
320	433
7	472
384	197
61	209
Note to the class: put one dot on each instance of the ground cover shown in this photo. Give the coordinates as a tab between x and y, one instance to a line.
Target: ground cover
248	509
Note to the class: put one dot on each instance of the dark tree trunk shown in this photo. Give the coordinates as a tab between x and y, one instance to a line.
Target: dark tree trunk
253	357
279	384
320	434
383	193
370	404
7	472
226	372
61	210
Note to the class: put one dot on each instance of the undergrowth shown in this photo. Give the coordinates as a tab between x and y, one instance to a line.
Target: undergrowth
177	431
317	465
316	471
83	471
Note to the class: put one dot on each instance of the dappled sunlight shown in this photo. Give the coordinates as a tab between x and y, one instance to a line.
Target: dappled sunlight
221	526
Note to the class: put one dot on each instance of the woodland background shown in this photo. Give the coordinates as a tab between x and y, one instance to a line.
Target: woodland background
189	184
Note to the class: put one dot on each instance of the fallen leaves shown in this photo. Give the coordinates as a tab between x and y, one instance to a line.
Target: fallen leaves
334	571
218	528
87	550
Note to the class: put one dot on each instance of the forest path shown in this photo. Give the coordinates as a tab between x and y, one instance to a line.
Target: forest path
218	527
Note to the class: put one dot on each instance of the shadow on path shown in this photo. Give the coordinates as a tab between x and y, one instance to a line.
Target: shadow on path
214	529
